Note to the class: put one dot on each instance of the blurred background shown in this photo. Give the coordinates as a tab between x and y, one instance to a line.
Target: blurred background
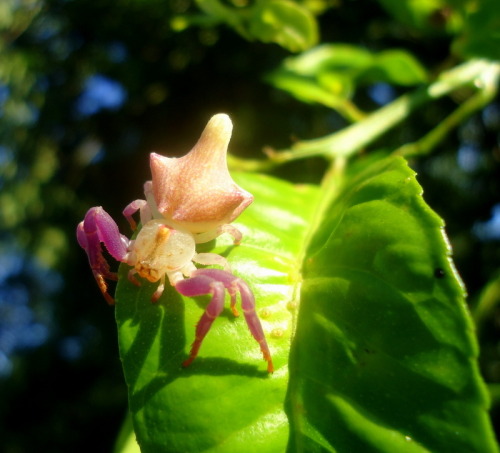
89	87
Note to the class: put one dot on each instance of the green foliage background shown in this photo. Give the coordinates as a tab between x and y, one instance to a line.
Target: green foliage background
348	263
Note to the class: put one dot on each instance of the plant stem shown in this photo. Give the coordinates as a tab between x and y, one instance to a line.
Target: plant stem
429	141
331	184
249	165
355	137
349	110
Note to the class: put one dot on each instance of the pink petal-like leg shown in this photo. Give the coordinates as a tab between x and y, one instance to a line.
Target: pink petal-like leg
198	286
132	208
215	281
97	227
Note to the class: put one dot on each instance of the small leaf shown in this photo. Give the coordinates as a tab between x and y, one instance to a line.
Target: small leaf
126	442
429	16
329	74
285	23
324	75
328	90
330	58
399	67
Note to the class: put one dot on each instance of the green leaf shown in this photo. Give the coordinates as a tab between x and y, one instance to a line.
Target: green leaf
323	75
282	22
481	31
285	23
225	401
331	58
329	90
399	67
126	442
329	74
429	16
384	356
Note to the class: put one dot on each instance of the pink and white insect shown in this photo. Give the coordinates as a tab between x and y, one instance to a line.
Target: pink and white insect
190	200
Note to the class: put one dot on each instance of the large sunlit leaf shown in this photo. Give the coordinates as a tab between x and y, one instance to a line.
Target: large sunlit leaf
225	401
384	356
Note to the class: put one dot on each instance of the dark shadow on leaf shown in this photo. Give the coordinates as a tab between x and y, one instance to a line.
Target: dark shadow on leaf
218	366
209	246
164	322
174	370
163	318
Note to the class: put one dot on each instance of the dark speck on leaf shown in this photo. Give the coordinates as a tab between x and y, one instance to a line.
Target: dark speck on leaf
439	273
